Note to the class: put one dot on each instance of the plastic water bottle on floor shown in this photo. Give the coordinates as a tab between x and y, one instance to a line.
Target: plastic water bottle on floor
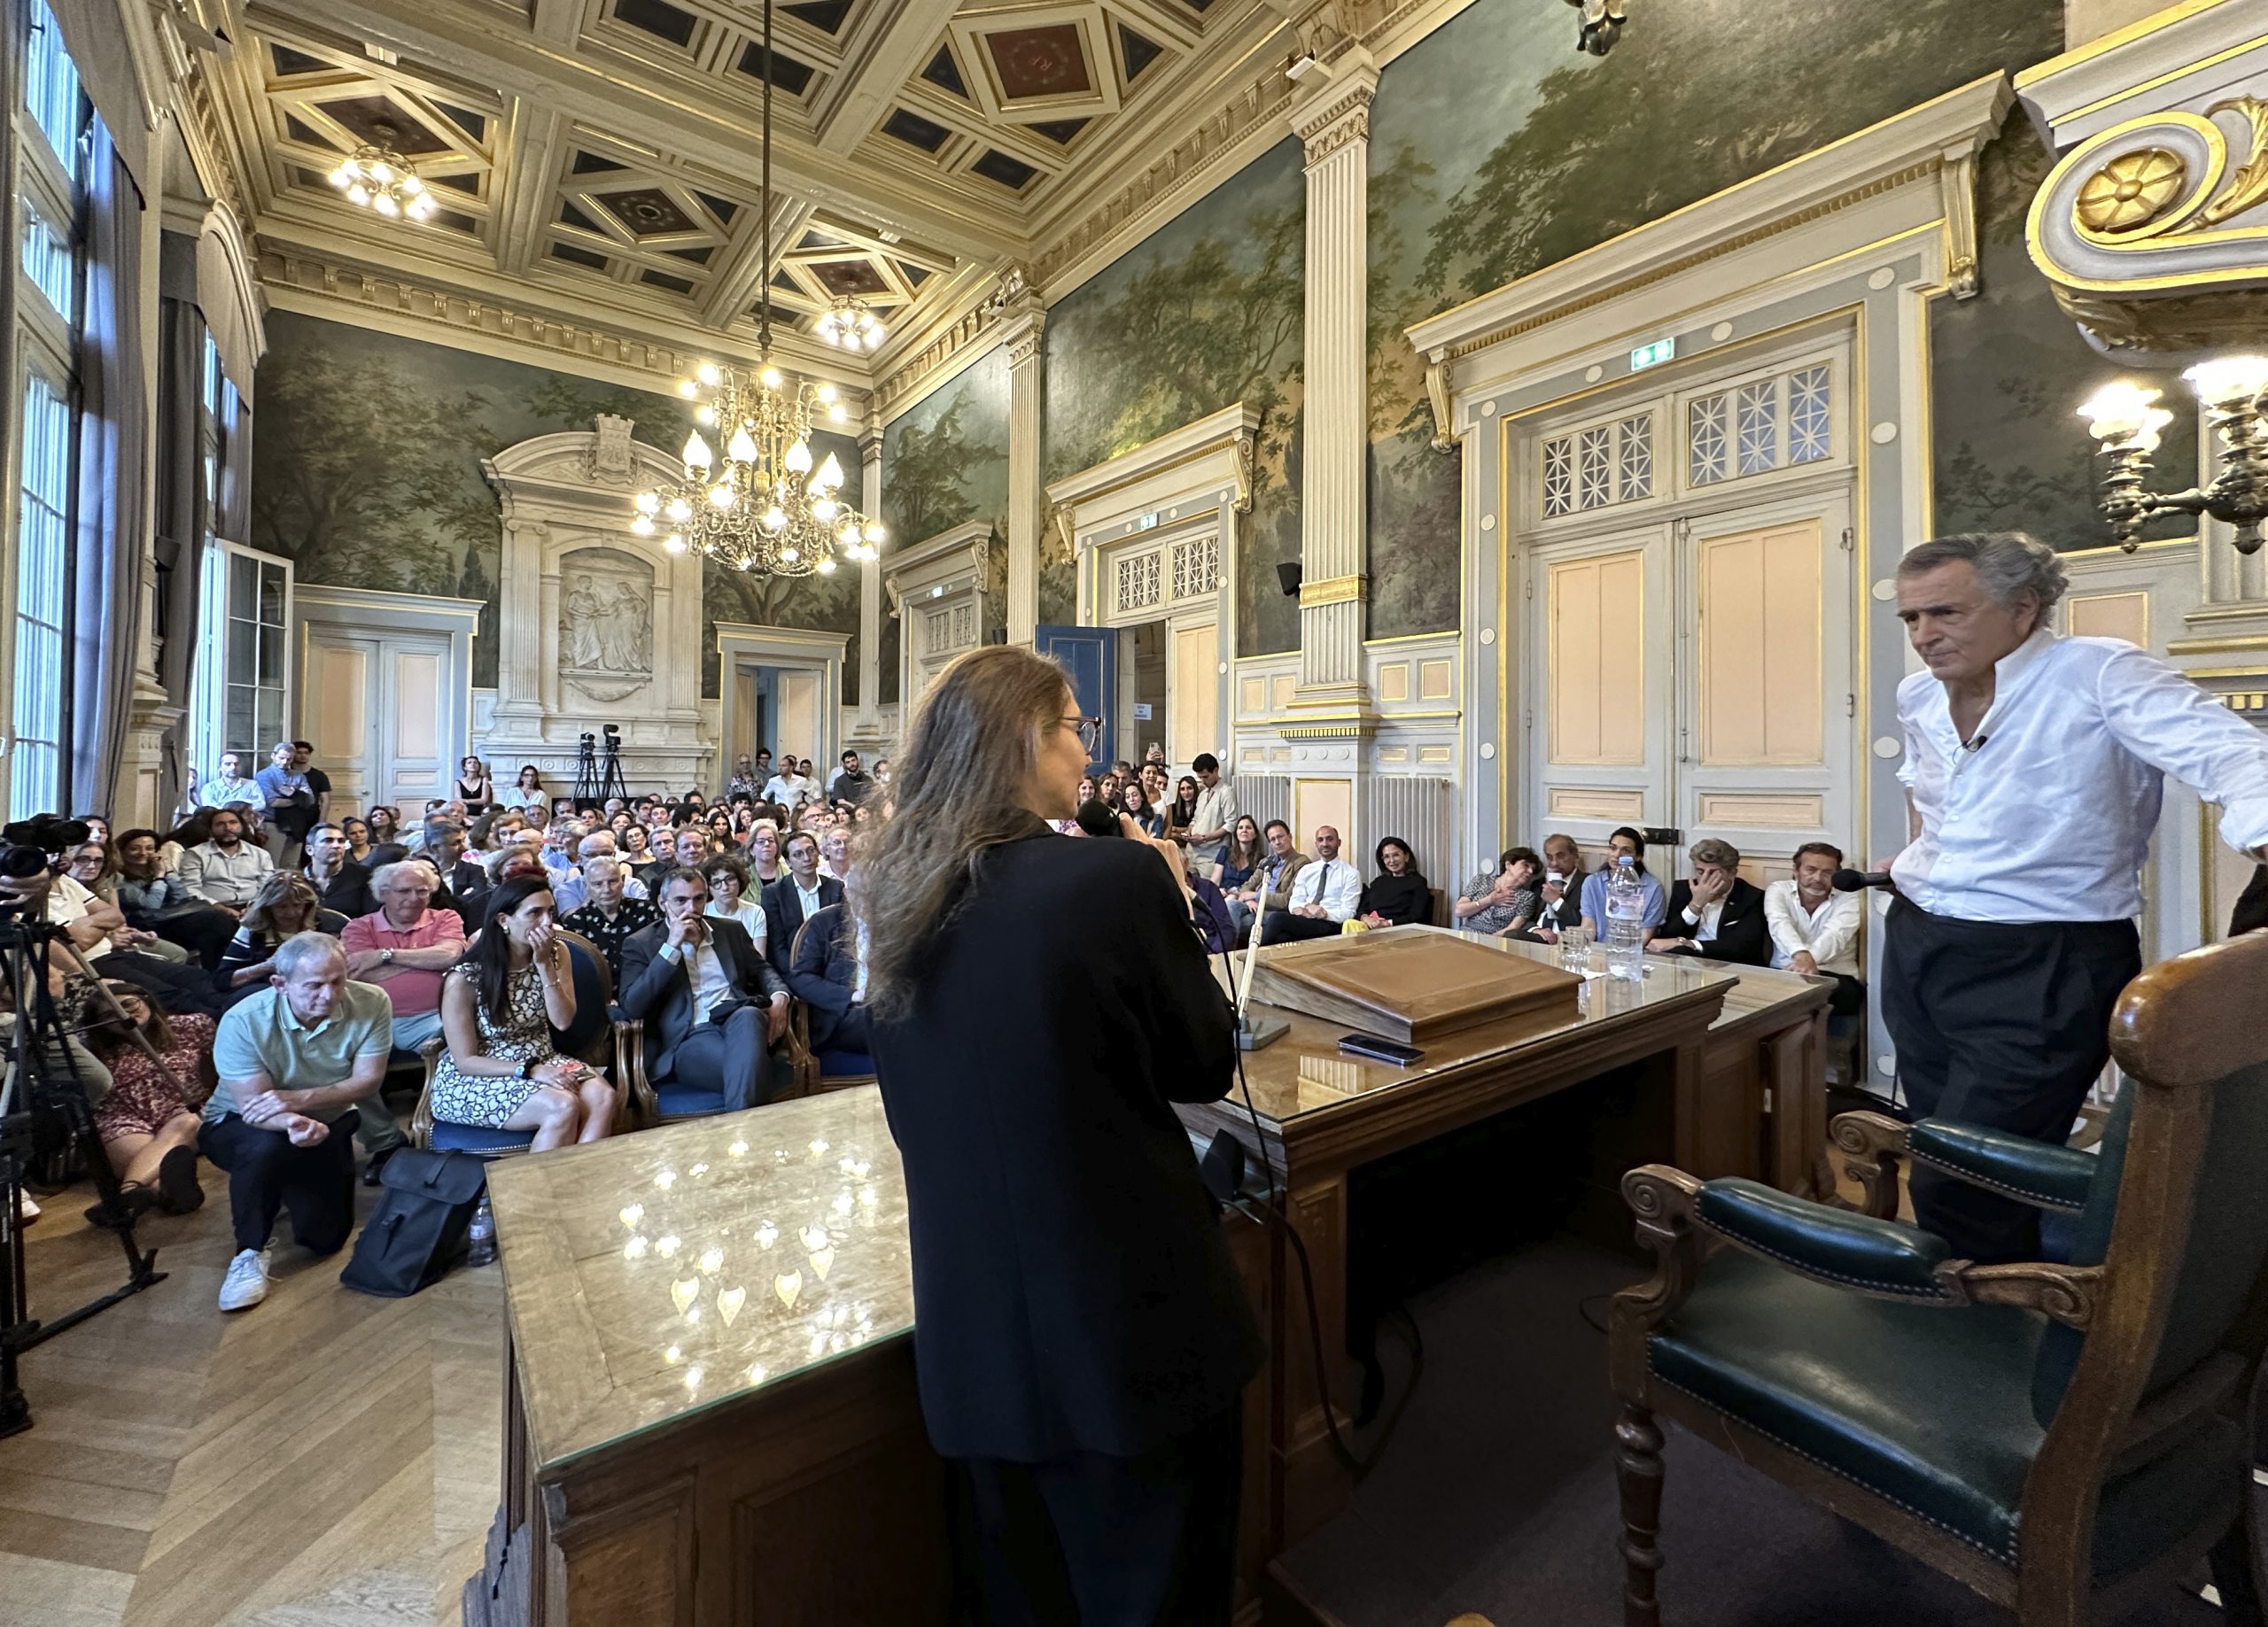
480	1237
1625	921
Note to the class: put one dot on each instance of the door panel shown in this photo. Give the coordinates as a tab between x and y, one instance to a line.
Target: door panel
1090	655
1597	672
1195	695
1760	647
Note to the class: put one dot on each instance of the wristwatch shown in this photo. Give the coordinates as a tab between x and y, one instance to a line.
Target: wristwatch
385	957
527	1069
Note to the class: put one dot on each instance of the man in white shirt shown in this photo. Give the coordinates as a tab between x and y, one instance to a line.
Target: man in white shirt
1814	929
792	781
228	870
2034	769
1216	814
1325	894
230	785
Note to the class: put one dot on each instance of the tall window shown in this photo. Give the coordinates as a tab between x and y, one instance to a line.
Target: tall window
42	532
51	88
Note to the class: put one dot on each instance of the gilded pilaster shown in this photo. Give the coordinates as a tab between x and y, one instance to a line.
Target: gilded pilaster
1026	325
867	724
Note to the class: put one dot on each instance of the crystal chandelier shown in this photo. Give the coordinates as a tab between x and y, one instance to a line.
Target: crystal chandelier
763	506
378	177
851	324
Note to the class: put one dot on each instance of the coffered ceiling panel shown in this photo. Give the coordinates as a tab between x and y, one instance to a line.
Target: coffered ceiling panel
601	158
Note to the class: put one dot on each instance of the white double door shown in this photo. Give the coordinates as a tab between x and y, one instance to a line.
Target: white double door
374	708
1700	672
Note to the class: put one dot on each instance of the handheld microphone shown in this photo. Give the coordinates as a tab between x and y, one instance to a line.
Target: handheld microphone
1848	881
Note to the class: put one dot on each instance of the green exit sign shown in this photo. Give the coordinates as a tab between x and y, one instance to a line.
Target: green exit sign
1646	355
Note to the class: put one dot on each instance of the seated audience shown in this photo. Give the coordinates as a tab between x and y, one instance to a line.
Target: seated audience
1559	894
526	793
713	1006
828	975
796	898
568	887
743	782
1814	929
225	869
608	915
385	826
1503	902
1323	898
357	832
148	1122
1717	912
850	783
1625	843
1182	811
445	846
730	898
404	948
764	865
1245	851
474	788
835	851
636	851
341	884
688	849
284	907
499	1007
231	784
792	784
156	901
91	865
1398	895
190	833
102	937
1268	888
293	1062
1134	802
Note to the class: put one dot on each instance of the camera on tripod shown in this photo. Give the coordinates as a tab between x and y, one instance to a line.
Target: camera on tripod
29	849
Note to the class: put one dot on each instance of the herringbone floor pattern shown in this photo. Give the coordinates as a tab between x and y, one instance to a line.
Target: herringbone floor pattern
325	1460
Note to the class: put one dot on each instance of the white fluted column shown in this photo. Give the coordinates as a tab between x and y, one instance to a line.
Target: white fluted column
1333	121
1027	497
869	725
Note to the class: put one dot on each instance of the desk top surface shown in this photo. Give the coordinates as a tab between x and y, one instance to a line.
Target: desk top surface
651	1278
1305	1074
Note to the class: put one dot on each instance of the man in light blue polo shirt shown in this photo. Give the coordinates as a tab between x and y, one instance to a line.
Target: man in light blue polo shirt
293	1059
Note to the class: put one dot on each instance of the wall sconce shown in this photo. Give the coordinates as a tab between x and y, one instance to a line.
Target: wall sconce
2126	422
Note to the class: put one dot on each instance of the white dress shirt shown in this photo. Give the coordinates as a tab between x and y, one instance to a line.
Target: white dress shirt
225	878
1702	928
706	969
1829	934
1332	883
2045	815
1216	810
784	788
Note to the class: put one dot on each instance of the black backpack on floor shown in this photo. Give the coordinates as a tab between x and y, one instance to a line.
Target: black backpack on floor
417	1231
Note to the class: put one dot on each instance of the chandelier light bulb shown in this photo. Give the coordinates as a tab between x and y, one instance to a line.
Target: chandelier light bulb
358	194
720	495
411	186
642	527
2116	410
679	509
648	502
705	416
874	532
827	567
423	207
799	457
697	454
687	388
771	378
385	205
2229	379
382	173
827	394
674	542
342	177
742	447
789	555
708	374
825	509
836	414
774	518
849	537
830	474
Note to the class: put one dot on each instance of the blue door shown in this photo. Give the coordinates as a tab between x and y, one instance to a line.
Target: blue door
1090	654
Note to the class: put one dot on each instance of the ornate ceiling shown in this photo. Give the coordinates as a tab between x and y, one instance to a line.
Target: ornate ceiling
596	161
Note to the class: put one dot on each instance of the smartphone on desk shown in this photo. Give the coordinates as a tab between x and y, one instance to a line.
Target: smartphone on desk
1379	1050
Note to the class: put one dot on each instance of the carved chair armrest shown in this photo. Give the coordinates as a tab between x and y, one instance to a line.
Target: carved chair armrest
2032	1171
1874	1143
1881	1258
630	1070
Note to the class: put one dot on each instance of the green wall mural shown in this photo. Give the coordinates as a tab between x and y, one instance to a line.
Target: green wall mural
2007	373
945	463
1207	311
1495	150
366	473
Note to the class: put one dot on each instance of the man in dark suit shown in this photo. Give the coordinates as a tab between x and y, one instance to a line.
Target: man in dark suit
824	975
1717	913
796	898
464	877
712	1006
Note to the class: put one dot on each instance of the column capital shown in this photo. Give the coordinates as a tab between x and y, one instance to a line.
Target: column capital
1334	112
1022	332
870	441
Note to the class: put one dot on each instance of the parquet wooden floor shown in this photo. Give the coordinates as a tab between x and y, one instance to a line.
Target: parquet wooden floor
326	1459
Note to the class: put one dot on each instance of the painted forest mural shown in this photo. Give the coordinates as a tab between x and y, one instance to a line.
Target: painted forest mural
944	464
367	474
1207	311
1496	150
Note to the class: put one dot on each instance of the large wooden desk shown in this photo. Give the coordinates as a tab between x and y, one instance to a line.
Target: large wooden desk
1726	1064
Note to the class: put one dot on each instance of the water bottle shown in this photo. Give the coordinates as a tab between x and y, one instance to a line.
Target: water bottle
1625	921
480	1237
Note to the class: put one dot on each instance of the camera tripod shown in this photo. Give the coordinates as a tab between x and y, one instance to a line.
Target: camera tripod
41	1088
598	775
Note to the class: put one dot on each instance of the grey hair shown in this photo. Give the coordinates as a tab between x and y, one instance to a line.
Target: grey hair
1714	850
605	839
383	877
600	862
2009	564
303	952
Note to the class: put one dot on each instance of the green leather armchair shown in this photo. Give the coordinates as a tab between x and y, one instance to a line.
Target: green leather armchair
2062	1438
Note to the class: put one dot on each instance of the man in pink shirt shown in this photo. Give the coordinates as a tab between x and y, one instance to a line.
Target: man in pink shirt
406	948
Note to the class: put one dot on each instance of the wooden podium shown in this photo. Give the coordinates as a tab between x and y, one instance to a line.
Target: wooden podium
1413	984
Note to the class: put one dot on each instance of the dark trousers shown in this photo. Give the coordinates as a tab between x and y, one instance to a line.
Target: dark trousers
267	1173
1282	927
176	985
201	929
2002	1025
1112	1542
729	1057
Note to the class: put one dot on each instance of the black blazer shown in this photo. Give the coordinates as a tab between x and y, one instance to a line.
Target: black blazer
659	991
2251	911
1072	1290
783	912
1743	937
1567	912
349	892
822	975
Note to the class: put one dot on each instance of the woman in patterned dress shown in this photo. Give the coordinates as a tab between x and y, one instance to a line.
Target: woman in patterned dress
498	1009
148	1123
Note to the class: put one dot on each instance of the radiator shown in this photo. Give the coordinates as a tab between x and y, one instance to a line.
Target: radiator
1265	797
1422	812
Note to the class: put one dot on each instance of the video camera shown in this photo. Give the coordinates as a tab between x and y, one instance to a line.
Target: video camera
29	849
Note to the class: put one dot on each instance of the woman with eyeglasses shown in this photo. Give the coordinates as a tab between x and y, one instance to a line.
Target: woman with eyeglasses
1081	1338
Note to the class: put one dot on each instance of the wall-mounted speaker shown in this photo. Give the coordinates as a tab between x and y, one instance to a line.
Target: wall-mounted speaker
1290	575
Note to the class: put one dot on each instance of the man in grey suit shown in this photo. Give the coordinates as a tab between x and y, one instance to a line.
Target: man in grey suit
712	1005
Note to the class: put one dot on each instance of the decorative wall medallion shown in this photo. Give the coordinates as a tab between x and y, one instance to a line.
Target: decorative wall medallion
2132	189
609	462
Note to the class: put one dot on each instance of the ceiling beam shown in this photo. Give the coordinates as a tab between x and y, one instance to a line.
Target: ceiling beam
895	42
683	119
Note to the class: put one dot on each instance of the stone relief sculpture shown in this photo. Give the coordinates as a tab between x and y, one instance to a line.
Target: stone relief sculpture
606	622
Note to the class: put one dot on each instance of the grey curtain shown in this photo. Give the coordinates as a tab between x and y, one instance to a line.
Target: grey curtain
113	457
181	518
